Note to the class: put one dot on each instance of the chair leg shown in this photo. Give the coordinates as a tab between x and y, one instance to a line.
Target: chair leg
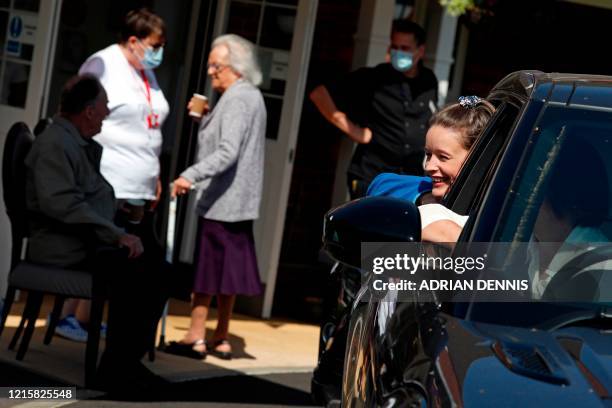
22	322
36	299
54	318
152	352
93	339
8	302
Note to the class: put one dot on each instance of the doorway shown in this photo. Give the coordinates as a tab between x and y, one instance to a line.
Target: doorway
27	29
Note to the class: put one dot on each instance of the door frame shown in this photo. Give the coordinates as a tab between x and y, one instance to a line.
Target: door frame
36	103
40	69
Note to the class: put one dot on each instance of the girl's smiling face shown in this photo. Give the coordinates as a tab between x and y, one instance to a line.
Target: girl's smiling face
444	156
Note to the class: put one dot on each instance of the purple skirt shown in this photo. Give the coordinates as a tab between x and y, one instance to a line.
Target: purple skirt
226	263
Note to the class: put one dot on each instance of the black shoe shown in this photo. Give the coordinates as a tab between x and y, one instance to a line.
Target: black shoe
224	355
186	349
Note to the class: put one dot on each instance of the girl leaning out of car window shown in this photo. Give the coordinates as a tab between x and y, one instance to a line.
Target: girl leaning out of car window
452	133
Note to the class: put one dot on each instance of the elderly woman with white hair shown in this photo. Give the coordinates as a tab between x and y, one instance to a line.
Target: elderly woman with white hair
229	170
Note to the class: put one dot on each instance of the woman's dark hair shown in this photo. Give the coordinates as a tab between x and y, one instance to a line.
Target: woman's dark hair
141	24
470	121
79	92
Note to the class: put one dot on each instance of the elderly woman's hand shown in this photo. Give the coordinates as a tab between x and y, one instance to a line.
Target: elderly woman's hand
204	112
181	186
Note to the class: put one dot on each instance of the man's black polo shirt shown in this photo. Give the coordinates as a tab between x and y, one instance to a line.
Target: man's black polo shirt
396	109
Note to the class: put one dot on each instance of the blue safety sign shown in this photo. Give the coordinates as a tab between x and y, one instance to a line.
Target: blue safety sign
13	48
16	27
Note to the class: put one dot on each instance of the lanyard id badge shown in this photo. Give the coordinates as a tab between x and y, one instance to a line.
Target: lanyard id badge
152	118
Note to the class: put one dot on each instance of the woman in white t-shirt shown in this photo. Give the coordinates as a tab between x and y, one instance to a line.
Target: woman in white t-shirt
131	135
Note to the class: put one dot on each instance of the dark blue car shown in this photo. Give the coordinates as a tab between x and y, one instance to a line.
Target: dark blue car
540	172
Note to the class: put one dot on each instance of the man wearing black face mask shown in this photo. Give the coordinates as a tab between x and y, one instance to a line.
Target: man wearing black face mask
384	109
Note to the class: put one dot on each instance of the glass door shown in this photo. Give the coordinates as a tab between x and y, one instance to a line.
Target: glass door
27	36
27	32
270	26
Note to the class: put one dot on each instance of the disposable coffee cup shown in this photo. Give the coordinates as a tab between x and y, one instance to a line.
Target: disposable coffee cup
198	105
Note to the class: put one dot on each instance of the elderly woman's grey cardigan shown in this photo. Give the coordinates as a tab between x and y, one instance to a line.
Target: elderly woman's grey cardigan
231	156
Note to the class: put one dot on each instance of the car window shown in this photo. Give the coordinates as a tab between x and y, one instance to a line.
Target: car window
482	159
467	193
567	146
561	201
559	206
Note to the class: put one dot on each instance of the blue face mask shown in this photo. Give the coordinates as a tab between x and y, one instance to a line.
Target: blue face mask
401	60
152	58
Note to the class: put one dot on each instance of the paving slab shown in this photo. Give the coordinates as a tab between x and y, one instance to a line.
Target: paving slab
260	347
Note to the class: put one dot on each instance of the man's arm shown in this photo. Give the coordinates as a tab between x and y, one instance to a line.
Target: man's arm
442	231
60	198
325	104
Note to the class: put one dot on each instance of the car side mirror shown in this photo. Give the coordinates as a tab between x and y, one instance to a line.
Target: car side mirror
372	219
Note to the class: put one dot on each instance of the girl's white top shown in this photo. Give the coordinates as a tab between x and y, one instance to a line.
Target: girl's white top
436	212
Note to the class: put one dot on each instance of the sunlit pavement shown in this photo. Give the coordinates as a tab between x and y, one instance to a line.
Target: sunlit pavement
274	359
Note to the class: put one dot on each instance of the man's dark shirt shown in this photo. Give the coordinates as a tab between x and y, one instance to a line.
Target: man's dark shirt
396	109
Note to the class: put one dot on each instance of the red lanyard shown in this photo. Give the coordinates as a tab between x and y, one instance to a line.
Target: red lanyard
152	117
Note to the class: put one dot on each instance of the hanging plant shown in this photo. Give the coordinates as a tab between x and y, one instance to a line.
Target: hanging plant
457	7
475	10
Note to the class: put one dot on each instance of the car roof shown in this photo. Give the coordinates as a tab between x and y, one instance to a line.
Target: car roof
579	89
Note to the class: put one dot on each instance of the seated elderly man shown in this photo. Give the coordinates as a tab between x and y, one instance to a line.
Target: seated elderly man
71	209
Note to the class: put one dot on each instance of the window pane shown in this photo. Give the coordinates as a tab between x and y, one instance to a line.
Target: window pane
561	206
15	84
3	23
568	171
244	20
277	31
274	67
27	5
20	50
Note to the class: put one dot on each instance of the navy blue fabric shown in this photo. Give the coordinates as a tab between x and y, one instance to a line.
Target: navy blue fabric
401	186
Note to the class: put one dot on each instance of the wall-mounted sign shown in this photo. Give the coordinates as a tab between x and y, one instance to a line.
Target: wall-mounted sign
21	30
15	27
280	65
13	48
